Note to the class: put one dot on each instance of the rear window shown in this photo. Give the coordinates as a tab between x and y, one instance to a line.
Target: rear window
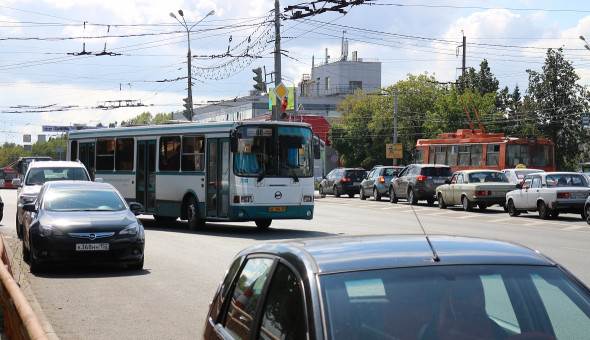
566	180
360	174
38	176
436	172
391	172
520	174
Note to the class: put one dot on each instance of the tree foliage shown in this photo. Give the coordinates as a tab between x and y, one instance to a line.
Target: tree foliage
146	118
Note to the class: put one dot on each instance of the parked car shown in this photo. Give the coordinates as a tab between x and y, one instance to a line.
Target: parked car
550	193
82	221
517	175
376	183
342	181
39	172
418	182
392	287
474	187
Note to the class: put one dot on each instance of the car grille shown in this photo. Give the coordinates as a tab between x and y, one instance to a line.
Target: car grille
92	236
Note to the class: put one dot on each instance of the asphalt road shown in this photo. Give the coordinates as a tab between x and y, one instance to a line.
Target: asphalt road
169	299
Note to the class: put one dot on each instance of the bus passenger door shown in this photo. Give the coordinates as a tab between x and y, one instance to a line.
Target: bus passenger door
87	157
218	152
145	175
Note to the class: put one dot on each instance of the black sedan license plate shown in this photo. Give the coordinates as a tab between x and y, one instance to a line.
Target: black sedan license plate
92	246
277	209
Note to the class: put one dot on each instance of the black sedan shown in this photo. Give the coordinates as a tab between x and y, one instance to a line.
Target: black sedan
85	221
397	287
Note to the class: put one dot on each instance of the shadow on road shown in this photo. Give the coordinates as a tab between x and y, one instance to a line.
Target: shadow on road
89	271
235	231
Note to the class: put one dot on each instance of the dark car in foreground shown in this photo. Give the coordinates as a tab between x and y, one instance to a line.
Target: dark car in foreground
395	287
82	221
376	183
342	181
419	182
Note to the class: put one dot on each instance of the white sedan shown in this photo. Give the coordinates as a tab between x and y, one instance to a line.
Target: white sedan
549	193
517	175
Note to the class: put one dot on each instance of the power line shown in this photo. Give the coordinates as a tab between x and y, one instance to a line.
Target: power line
483	7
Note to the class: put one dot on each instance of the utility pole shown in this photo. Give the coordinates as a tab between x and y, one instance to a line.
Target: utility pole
276	112
395	95
464	56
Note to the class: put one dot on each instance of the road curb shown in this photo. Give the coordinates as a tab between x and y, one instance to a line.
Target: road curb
29	294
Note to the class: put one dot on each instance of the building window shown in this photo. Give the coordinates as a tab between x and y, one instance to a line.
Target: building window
317	87
355	85
193	153
105	154
125	154
170	153
327	84
493	151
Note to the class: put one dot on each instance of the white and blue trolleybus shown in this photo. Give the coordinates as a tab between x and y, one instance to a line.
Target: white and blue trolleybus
230	171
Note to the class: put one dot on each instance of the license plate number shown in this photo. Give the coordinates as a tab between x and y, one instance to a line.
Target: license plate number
277	209
92	246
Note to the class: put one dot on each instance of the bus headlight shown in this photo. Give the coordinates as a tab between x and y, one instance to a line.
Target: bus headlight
307	198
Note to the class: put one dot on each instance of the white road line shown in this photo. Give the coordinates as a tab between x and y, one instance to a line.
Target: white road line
575	227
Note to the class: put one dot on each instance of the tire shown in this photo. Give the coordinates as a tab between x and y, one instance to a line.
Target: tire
467	206
34	266
164	219
136	266
587	210
482	206
263	224
412	199
19	229
441	202
192	214
543	210
362	194
25	251
511	209
392	196
555	214
322	192
430	202
336	193
376	195
351	195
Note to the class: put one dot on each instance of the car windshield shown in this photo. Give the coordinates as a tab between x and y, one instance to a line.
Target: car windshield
456	302
283	151
487	177
38	176
83	199
436	172
566	180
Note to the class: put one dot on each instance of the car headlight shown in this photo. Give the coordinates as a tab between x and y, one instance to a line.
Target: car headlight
130	230
49	230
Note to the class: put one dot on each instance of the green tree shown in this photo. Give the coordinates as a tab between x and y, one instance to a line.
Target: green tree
558	101
482	81
146	118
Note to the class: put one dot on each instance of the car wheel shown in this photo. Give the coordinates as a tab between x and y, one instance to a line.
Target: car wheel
587	210
263	224
25	251
34	266
164	219
482	206
192	214
19	229
362	194
441	202
511	209
351	195
543	210
430	202
412	199
136	266
336	193
467	205
555	214
376	195
322	192
392	196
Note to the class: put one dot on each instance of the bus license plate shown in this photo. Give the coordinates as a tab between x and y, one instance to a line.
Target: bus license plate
92	246
277	209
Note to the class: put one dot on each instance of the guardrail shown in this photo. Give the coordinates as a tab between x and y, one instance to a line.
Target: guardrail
20	321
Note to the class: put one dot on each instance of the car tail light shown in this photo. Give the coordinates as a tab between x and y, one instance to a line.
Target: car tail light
345	180
482	193
381	179
563	195
421	178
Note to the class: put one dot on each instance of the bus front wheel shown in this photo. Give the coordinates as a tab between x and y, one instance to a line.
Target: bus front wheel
263	224
192	214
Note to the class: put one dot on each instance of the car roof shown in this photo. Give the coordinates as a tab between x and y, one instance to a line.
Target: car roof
86	185
523	169
56	164
557	173
355	253
477	170
432	165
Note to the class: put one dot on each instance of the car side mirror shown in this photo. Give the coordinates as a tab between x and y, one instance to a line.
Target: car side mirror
447	181
519	186
136	208
30	207
17	182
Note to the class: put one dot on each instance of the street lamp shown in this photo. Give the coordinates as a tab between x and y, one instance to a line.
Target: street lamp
188	29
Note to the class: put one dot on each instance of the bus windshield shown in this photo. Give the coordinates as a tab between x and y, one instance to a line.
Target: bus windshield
283	151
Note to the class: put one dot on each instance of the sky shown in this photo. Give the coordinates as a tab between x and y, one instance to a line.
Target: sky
407	36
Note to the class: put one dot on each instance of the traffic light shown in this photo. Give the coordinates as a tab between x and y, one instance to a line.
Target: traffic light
188	112
260	84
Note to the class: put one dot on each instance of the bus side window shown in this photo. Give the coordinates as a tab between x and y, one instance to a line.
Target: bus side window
105	154
170	153
193	153
124	154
